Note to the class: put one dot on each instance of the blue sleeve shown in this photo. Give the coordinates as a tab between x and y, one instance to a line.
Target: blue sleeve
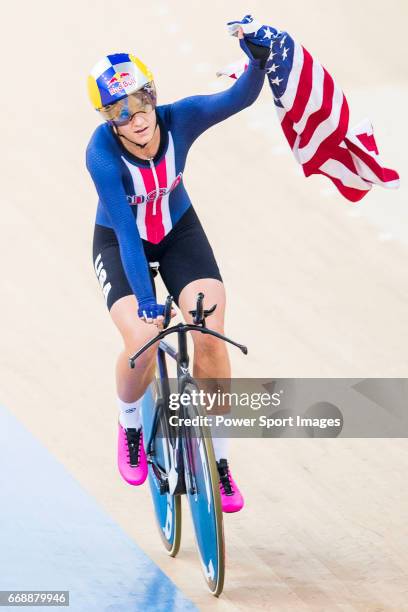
196	114
105	170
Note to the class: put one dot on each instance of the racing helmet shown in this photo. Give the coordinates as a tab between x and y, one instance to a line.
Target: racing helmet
116	76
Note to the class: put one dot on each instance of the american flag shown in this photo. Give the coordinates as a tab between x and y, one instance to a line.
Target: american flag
314	114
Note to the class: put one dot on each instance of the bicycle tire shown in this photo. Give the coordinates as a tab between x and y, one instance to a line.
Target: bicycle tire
167	507
204	531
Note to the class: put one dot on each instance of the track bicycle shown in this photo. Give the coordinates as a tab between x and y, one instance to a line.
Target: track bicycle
181	458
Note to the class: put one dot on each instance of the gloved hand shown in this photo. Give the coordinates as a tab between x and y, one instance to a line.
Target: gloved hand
254	51
149	310
257	38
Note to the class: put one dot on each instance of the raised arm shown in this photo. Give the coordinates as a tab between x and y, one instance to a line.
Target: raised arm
196	114
105	172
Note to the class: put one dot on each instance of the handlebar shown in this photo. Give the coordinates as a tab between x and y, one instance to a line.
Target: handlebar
199	316
167	311
199	313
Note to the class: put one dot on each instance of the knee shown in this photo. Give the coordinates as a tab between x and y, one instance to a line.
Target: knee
208	346
134	341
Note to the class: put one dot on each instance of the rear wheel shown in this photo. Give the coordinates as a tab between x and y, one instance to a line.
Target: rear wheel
202	488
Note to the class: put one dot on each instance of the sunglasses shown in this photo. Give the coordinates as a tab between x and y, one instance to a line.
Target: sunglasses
122	111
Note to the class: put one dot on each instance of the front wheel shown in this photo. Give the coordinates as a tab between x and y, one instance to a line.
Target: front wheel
202	488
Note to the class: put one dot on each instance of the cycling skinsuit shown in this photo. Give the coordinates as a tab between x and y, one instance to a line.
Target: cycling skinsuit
144	212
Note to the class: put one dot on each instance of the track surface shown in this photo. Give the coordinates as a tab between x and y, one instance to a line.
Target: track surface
324	527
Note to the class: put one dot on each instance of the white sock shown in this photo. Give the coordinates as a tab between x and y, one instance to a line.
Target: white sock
220	448
130	414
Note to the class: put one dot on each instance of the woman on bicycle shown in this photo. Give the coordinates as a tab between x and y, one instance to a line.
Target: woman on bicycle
144	215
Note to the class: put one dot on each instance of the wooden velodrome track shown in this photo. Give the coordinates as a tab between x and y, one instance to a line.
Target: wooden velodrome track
324	526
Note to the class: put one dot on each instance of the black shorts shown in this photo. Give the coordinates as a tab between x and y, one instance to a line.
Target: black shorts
184	255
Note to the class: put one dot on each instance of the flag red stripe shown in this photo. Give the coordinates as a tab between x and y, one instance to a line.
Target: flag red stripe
324	111
343	156
287	127
368	141
353	195
326	147
304	87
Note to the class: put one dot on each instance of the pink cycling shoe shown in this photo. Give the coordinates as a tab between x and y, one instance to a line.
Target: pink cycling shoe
132	461
231	498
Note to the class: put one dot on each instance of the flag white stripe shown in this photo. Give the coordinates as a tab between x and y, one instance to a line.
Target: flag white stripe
295	149
281	113
289	96
316	97
236	68
365	172
336	169
364	127
389	184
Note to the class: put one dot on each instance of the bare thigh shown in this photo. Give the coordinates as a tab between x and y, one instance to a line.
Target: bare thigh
133	330
214	293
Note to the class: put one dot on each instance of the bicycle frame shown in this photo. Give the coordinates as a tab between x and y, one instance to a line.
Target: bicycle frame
183	375
176	486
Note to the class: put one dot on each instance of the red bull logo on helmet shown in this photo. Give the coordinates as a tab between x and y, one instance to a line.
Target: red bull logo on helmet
119	82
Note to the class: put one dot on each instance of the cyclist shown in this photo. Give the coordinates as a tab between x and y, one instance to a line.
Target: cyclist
144	215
